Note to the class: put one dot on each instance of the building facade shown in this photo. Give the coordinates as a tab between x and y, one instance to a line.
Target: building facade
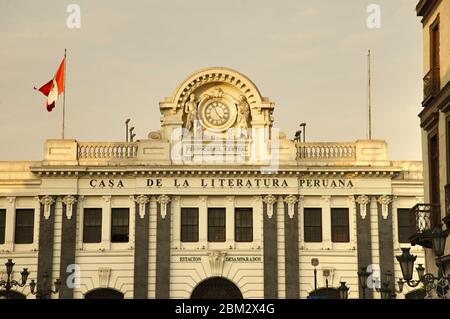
435	127
217	203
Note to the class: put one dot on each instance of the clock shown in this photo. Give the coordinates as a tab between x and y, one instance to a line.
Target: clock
217	114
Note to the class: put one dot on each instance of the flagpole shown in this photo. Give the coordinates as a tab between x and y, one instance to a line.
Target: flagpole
64	93
369	97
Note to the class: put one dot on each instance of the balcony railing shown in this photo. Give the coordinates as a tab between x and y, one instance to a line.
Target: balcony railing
326	151
421	222
107	151
431	83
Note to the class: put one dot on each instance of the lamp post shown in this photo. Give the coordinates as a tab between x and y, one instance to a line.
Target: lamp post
126	129
131	134
343	290
303	126
439	283
45	293
388	291
315	263
10	283
362	279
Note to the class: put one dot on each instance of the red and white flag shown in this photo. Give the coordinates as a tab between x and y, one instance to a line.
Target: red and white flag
54	87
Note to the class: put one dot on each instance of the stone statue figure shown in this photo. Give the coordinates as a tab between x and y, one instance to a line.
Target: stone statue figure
190	108
243	115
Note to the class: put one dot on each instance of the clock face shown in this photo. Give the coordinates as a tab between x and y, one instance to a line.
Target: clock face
217	113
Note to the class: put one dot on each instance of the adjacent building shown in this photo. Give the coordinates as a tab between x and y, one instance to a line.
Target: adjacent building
435	126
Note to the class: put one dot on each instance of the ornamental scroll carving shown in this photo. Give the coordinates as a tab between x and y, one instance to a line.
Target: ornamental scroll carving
47	201
142	200
216	261
103	276
363	200
291	200
384	201
69	200
269	200
163	200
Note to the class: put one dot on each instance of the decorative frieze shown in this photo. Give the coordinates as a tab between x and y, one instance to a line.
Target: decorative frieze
47	201
384	201
269	200
363	200
142	200
69	200
291	200
163	200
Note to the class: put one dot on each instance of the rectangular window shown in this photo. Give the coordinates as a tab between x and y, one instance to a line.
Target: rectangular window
216	224
313	225
92	232
339	225
189	225
24	231
2	225
403	225
434	178
434	44
243	224
120	225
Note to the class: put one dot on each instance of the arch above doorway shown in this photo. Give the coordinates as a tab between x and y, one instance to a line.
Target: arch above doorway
104	293
216	288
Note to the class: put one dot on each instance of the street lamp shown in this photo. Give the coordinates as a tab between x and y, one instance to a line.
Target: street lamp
315	263
131	134
343	290
8	284
440	283
126	129
362	278
45	293
303	125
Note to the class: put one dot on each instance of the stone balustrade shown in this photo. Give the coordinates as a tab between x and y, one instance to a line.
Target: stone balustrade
106	151
326	151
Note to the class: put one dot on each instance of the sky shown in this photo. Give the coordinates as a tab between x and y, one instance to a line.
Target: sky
309	57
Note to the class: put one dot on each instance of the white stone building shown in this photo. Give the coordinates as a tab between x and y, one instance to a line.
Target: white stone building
217	203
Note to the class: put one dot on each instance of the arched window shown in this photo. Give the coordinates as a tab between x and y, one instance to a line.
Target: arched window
103	293
11	295
216	288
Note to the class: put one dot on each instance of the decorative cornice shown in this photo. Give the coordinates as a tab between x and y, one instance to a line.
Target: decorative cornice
425	7
284	171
